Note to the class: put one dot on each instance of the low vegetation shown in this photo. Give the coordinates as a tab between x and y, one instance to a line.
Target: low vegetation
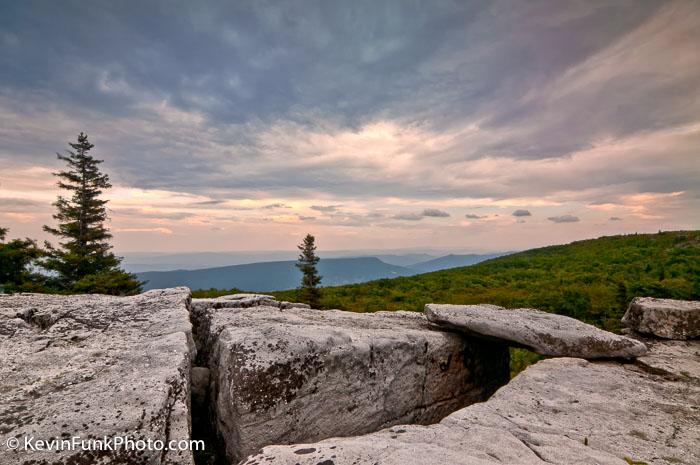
592	280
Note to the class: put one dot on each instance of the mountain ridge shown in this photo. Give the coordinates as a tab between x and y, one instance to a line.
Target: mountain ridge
268	276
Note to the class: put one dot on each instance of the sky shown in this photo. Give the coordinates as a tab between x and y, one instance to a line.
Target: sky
244	125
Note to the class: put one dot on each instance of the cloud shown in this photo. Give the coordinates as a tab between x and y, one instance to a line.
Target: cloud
274	206
153	214
564	219
614	218
209	202
520	213
409	216
325	208
426	213
18	205
166	231
598	115
435	213
472	216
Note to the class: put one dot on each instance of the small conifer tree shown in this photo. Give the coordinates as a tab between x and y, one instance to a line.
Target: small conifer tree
84	261
310	279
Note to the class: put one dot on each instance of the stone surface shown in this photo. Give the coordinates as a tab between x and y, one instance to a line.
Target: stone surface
94	366
288	375
678	360
558	411
667	318
243	301
542	332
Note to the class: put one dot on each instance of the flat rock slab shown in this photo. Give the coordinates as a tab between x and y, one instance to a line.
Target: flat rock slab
92	366
558	411
542	332
243	301
667	318
280	376
678	360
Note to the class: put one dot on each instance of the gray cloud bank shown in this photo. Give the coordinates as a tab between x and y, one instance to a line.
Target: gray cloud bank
564	219
417	216
586	102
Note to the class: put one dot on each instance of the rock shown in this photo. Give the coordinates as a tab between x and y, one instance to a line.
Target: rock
93	366
289	375
243	301
201	307
558	411
667	318
542	332
679	360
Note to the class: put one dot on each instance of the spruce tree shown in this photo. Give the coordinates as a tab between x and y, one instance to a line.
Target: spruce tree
84	261
310	279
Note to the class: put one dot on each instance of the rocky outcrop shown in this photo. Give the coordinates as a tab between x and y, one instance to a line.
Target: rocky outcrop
667	318
282	375
542	332
340	384
95	366
558	411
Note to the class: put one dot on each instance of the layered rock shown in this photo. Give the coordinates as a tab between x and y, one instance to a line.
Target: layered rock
284	375
95	366
542	332
667	318
558	411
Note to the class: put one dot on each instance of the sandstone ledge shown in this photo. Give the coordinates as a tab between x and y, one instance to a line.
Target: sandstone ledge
666	318
543	332
95	366
280	376
558	411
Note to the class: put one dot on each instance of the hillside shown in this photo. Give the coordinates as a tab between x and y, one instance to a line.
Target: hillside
451	261
267	276
591	280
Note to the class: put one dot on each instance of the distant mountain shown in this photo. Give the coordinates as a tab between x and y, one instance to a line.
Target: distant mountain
452	261
268	276
138	262
407	259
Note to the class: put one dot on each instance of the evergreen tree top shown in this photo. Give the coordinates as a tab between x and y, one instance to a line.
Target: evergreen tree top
84	261
308	250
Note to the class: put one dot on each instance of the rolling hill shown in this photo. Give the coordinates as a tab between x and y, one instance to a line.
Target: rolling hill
451	261
267	276
591	280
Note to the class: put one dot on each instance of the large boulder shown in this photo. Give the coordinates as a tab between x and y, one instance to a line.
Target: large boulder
95	366
561	410
280	376
542	332
667	318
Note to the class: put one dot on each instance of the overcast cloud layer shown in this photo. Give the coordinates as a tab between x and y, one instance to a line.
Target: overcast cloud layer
244	125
